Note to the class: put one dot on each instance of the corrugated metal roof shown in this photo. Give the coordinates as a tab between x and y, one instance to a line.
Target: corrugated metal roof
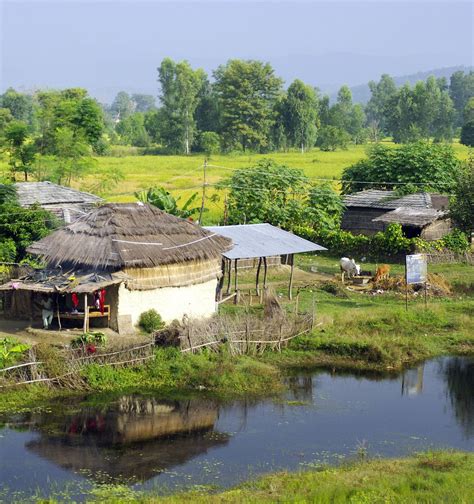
418	217
387	199
262	240
47	193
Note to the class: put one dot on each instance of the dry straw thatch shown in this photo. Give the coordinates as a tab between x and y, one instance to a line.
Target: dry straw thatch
129	235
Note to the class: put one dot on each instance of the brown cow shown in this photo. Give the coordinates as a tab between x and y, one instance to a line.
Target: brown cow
383	272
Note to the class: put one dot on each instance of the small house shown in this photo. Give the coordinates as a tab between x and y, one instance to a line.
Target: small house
421	214
64	202
121	260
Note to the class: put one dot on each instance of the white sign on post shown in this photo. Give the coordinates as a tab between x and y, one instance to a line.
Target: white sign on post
416	269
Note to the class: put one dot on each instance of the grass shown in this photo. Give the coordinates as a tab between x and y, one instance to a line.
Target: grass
432	477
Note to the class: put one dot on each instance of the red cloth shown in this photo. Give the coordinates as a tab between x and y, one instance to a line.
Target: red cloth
102	300
75	300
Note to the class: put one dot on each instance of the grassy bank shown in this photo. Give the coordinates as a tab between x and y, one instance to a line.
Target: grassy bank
429	477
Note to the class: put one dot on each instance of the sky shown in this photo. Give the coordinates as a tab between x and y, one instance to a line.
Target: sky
110	46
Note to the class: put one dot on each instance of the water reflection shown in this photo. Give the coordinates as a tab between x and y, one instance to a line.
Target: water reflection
132	439
458	374
412	381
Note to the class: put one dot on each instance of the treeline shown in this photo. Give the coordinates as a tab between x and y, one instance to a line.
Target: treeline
243	107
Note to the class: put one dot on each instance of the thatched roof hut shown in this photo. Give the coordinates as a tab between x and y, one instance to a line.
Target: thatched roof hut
129	235
155	260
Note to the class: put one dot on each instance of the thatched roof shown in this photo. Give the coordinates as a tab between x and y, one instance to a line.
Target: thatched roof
129	235
389	200
418	217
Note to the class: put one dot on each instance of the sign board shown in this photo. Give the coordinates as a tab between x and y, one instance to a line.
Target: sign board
416	269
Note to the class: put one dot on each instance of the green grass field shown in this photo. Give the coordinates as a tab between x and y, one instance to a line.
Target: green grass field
183	175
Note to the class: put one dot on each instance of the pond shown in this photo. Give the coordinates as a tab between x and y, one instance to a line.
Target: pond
325	417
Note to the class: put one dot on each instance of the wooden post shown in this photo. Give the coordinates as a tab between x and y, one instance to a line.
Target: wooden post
264	272
236	283
86	315
426	296
221	280
229	272
258	275
290	287
297	302
280	336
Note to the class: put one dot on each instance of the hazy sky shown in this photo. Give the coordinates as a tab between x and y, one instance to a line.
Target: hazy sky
110	45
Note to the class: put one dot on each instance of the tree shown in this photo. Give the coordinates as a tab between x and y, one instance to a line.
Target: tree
356	127
5	119
340	112
461	208
300	115
132	130
210	142
20	148
382	93
180	88
331	138
325	207
426	166
122	106
143	102
461	89
247	91
20	105
467	134
267	192
162	199
72	156
469	111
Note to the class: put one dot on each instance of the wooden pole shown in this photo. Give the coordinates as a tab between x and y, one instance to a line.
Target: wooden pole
264	272
86	314
290	287
229	272
236	283
221	280
426	295
258	275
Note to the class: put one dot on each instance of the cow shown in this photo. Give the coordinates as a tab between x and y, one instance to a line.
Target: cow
348	266
382	273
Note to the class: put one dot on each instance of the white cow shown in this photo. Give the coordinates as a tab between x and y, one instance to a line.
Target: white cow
349	267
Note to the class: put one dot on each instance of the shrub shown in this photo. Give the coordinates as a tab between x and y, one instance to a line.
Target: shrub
90	338
151	321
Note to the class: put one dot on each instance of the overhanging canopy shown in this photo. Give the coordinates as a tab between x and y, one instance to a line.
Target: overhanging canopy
262	240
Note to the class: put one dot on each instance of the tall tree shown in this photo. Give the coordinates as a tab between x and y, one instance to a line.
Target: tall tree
180	88
122	106
381	94
300	115
20	148
19	104
461	88
143	102
247	91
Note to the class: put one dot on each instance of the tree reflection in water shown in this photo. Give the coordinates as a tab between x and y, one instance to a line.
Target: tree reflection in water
458	373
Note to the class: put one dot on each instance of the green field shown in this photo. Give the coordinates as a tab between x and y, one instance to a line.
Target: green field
183	175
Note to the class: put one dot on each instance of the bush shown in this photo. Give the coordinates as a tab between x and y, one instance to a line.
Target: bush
467	134
151	321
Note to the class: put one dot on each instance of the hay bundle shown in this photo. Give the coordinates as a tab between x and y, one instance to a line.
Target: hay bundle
271	305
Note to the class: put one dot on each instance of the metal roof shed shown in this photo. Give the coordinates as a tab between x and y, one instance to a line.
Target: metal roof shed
261	241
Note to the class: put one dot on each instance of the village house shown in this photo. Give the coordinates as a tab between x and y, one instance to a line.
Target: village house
421	215
118	261
66	203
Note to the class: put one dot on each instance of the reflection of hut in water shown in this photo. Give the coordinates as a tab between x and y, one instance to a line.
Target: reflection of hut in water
133	441
412	381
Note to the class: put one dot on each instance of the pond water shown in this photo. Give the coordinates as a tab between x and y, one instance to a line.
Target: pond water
146	442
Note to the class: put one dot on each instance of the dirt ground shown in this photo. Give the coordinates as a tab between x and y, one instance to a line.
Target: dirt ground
31	333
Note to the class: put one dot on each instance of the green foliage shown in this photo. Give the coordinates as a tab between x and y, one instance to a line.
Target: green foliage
268	192
180	90
162	199
150	321
210	142
456	241
461	208
8	250
331	138
11	351
429	166
90	338
247	91
382	93
325	207
132	130
19	147
467	134
461	90
299	111
22	226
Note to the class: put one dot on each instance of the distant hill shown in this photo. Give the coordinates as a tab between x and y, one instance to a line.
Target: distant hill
361	93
